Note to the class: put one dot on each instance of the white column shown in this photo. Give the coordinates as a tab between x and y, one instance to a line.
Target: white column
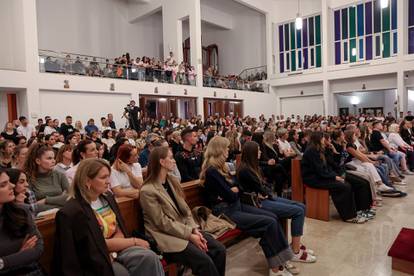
402	93
178	103
195	41
271	44
327	99
32	59
326	35
200	107
328	106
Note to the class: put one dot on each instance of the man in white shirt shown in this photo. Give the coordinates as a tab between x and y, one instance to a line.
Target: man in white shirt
284	146
25	129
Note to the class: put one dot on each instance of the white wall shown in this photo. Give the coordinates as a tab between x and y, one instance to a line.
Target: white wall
382	98
302	105
97	27
4	115
12	56
287	9
83	105
244	45
411	100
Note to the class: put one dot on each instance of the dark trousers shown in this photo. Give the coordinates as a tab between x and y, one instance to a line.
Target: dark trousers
361	191
277	175
261	224
210	263
341	193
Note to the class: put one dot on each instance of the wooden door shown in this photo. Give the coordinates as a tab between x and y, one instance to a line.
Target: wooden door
12	107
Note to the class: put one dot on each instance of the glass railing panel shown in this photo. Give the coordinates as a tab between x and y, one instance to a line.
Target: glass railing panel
235	82
82	65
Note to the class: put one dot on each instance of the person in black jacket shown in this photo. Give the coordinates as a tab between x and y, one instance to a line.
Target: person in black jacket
406	132
317	173
250	180
189	159
275	168
67	128
223	198
21	243
91	238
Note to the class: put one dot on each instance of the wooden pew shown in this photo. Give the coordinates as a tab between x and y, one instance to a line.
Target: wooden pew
316	200
132	215
297	183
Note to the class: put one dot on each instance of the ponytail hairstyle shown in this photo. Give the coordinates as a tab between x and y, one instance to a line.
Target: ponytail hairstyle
15	218
36	151
80	148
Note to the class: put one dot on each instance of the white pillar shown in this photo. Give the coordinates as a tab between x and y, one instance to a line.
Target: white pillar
200	107
195	41
271	45
32	59
328	98
326	35
402	93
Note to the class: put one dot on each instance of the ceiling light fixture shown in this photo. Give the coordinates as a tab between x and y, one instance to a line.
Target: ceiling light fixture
298	20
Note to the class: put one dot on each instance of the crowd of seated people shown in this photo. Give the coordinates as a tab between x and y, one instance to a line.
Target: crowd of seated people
78	172
213	79
125	67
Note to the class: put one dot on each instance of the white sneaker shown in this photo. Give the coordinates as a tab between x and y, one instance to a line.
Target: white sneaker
402	183
383	188
407	172
283	272
303	257
291	268
357	220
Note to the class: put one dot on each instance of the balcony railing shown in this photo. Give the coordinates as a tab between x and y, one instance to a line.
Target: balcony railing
234	82
83	65
254	73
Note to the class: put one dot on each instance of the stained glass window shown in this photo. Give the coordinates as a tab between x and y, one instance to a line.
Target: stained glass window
300	49
364	31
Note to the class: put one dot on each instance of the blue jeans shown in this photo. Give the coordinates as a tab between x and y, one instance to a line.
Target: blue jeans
383	173
261	224
285	208
396	157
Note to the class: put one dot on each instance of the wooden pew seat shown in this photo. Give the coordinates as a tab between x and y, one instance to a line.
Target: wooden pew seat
316	200
132	215
317	203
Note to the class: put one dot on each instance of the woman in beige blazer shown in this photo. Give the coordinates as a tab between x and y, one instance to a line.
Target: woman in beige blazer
169	221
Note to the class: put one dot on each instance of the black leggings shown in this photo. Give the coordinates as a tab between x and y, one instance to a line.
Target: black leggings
212	263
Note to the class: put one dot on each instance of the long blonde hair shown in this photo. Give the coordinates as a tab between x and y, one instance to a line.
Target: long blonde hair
88	169
214	157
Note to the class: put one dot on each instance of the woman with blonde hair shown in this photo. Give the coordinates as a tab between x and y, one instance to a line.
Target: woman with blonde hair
234	147
64	158
223	198
169	221
91	237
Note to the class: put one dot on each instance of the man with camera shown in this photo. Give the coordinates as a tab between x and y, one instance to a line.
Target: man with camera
132	113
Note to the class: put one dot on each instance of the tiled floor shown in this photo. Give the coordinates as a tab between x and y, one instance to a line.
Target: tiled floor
342	248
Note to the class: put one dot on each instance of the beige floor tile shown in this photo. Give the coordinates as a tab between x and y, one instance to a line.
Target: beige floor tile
343	249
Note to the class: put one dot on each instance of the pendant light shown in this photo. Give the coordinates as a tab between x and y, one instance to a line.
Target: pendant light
298	20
